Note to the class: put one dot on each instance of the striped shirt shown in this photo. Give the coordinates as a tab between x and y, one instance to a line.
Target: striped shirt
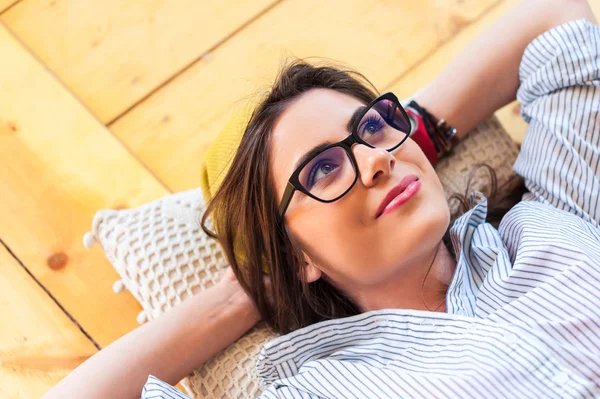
523	306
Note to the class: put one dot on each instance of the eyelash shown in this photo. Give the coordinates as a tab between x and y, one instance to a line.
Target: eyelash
372	119
314	171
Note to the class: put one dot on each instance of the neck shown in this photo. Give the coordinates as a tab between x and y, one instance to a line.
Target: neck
412	289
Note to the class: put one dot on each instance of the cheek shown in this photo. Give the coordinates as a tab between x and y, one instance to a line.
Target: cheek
330	236
318	227
411	152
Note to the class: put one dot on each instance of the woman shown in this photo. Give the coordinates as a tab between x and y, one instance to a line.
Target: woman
514	314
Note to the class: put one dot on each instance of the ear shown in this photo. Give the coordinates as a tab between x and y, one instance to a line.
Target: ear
312	273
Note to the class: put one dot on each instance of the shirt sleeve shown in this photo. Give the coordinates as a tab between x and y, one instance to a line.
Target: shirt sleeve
156	388
560	99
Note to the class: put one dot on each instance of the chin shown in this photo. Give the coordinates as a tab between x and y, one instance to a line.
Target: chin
419	227
430	220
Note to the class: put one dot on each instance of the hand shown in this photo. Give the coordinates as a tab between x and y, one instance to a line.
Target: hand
239	294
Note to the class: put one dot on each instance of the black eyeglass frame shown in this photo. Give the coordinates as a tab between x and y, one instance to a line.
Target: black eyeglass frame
346	144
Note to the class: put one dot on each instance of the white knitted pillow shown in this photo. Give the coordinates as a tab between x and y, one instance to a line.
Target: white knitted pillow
163	256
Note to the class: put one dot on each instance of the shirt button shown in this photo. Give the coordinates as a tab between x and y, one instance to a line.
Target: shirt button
561	378
510	338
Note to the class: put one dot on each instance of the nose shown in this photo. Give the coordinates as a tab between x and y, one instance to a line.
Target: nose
373	163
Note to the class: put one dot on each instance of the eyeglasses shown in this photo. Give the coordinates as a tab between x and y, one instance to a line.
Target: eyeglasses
328	172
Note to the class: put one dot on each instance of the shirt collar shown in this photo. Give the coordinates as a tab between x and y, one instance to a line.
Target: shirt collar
461	295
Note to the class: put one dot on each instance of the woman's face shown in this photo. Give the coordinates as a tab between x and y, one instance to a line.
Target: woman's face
344	239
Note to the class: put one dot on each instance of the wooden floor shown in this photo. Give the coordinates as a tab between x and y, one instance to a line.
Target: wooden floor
112	103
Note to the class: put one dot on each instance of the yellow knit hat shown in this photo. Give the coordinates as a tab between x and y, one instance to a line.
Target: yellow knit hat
219	156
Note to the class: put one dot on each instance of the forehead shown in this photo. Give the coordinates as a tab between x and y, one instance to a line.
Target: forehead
316	116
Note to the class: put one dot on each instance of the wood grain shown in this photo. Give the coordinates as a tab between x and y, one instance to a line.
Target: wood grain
60	166
4	4
171	129
39	344
408	83
112	53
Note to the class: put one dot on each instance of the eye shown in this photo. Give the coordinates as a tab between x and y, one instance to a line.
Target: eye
371	125
321	170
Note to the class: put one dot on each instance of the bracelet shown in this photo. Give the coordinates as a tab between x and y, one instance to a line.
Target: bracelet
441	134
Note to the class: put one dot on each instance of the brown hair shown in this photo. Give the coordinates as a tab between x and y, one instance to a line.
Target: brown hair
244	208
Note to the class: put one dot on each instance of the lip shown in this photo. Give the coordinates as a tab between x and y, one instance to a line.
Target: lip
397	195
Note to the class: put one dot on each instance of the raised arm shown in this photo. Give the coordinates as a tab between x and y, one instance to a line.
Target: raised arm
168	347
485	76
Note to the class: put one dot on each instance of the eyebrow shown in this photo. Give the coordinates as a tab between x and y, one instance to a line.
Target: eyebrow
319	147
354	117
311	153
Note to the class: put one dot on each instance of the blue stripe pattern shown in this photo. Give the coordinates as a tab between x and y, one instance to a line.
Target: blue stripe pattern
155	388
523	307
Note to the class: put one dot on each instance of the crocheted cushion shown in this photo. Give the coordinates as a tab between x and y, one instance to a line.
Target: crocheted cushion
163	256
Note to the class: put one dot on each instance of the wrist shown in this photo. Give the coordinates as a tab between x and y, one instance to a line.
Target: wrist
225	312
237	299
201	327
245	310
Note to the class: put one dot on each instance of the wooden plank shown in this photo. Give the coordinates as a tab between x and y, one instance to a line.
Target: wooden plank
424	72
39	344
407	84
59	166
171	129
112	53
4	4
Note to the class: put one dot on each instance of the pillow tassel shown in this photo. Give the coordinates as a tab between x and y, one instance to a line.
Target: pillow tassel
89	240
119	286
142	317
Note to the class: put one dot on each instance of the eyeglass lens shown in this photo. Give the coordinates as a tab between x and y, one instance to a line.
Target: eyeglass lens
330	173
